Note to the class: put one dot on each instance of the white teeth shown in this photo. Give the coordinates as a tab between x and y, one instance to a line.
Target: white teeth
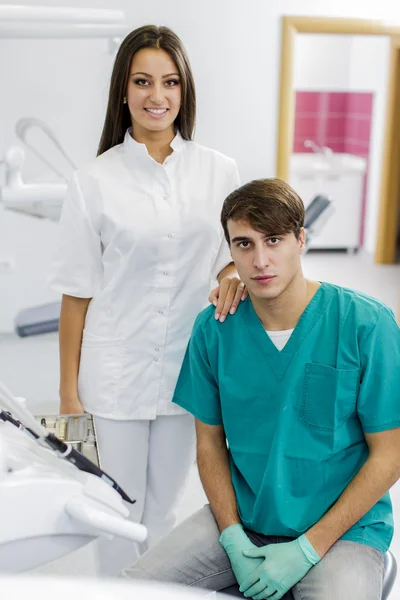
157	111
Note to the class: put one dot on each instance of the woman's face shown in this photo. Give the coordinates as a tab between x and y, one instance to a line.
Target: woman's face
153	92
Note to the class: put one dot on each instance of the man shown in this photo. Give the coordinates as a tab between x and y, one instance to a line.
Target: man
303	386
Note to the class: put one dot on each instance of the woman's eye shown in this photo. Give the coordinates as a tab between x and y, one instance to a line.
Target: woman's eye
172	82
141	82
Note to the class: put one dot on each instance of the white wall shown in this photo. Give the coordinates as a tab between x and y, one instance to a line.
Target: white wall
235	53
321	62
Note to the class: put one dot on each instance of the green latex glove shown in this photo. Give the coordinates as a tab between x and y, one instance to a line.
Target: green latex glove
283	566
234	541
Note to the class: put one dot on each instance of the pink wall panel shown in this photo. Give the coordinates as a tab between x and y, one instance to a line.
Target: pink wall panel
307	101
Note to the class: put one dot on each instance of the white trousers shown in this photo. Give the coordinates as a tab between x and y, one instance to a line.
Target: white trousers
151	461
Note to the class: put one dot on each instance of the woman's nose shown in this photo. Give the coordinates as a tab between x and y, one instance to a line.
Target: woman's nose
156	95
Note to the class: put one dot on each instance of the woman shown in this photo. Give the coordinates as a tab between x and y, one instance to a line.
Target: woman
140	242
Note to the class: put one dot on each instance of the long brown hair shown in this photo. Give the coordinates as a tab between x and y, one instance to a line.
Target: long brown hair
118	118
270	206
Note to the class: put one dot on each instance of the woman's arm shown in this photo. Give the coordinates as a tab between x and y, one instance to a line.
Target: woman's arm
72	321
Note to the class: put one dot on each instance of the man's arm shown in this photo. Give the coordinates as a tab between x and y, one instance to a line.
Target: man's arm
215	473
380	471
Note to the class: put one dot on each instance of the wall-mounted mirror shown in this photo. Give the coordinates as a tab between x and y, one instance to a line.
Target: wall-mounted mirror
339	130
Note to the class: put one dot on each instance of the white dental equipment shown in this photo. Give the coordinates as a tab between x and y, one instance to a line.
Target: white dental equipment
88	589
21	129
43	22
28	22
36	199
49	506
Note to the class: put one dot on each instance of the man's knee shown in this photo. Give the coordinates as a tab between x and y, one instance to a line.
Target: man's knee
349	571
180	556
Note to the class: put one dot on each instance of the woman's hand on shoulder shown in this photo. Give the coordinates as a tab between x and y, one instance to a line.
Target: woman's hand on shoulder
226	297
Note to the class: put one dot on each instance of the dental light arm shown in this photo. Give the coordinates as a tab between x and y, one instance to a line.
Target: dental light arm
21	129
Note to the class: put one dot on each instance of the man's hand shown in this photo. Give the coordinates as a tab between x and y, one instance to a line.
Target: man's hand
235	541
283	566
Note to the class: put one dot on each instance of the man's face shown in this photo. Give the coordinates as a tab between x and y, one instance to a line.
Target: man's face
266	263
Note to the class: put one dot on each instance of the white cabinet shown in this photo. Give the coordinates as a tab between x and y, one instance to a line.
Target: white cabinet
341	178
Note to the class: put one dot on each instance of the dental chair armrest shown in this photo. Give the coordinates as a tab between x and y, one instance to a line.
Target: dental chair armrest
85	512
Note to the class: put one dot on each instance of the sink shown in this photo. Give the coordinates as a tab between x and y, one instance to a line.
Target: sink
340	176
338	162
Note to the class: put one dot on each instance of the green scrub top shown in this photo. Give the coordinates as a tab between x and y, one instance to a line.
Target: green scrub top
295	419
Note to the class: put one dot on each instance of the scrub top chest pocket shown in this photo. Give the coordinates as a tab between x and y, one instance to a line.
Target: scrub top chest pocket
330	396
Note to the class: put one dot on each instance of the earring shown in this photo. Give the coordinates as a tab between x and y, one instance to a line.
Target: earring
124	100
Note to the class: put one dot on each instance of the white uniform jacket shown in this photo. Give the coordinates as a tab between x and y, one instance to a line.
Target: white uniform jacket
144	241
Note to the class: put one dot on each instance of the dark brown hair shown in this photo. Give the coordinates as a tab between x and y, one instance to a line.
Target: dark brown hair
269	205
118	118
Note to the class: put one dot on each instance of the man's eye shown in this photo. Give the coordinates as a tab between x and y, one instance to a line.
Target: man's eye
244	244
274	241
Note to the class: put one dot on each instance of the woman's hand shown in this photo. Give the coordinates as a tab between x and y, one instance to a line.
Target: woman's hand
71	405
227	295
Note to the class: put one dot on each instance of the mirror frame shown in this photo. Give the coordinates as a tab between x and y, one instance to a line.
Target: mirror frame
389	201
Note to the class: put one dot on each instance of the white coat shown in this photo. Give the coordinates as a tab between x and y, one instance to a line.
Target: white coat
144	241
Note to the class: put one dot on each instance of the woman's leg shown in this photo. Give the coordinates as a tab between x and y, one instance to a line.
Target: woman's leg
171	455
123	449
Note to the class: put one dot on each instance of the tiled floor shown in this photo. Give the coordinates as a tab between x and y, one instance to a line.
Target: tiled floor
30	368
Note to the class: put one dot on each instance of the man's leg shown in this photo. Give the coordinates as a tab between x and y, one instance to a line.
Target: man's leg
348	571
190	555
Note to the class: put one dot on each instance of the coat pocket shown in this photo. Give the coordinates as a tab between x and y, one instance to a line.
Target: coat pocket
100	373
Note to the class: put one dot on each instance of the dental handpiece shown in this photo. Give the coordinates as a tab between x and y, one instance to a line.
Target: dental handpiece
6	417
66	451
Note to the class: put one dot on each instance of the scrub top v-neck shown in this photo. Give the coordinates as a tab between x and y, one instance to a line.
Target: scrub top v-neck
277	360
295	419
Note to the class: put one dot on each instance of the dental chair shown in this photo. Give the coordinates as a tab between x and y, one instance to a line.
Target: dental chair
53	499
38	320
317	214
389	577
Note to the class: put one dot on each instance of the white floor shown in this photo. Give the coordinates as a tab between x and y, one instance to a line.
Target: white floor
29	367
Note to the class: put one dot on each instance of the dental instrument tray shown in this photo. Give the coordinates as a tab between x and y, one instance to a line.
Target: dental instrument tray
78	430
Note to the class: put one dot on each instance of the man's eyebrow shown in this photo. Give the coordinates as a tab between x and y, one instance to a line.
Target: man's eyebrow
148	75
240	238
